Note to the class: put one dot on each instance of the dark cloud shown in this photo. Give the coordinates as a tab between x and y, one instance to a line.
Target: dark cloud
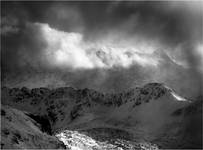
175	26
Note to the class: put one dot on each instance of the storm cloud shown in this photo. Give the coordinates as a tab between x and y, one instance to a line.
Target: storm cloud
107	46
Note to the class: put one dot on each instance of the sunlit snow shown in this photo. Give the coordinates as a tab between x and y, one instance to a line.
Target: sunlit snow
179	98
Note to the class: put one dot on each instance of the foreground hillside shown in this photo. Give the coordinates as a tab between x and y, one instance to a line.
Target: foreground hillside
152	116
18	131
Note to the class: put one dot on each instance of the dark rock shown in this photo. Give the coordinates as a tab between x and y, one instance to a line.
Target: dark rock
44	122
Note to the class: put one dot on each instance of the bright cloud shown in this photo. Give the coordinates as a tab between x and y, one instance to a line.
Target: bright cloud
70	50
199	52
64	49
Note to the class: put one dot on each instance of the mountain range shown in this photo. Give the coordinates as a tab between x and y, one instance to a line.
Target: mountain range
153	116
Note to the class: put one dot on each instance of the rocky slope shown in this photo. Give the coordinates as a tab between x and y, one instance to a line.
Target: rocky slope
19	131
149	116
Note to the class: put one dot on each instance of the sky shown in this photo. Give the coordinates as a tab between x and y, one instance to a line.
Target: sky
109	46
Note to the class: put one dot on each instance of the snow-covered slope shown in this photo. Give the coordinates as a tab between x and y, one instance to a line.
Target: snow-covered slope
149	113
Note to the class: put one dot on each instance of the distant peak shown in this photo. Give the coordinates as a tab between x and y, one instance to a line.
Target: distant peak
161	87
155	85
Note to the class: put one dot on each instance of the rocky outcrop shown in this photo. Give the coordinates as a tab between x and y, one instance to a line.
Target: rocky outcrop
20	131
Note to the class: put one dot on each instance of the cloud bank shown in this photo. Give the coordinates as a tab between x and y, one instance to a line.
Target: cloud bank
69	50
108	46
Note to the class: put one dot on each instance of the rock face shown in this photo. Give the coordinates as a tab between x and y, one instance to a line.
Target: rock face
149	116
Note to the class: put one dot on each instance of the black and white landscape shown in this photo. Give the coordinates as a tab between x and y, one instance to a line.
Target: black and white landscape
101	75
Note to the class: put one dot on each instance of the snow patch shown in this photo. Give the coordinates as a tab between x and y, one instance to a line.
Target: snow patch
179	98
